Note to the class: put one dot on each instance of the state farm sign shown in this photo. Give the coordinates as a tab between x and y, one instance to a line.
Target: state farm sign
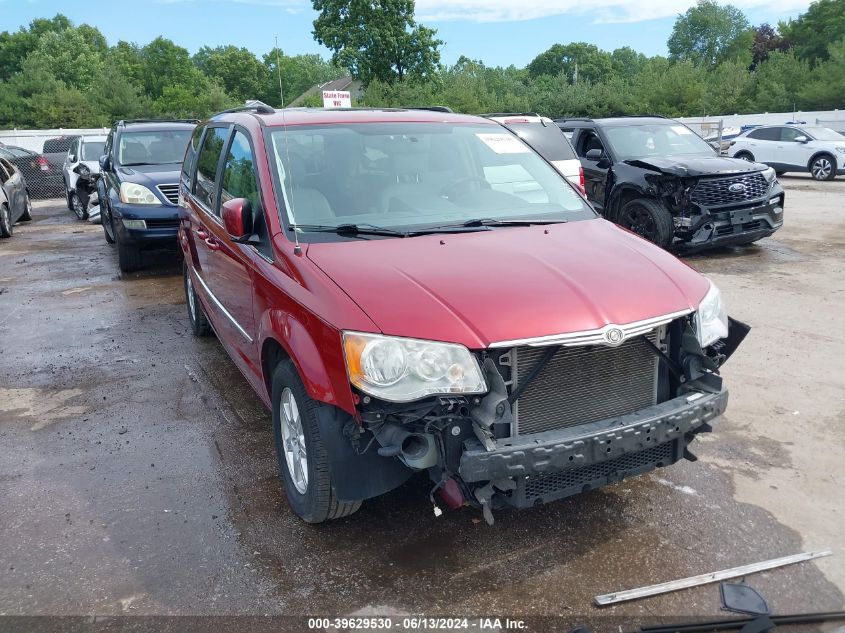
337	99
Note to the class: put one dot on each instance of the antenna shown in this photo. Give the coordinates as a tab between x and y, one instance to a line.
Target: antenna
297	249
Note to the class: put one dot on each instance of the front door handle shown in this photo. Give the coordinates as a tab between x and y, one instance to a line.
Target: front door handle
202	234
213	245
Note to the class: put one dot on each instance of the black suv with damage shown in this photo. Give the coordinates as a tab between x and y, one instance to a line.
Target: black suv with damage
658	178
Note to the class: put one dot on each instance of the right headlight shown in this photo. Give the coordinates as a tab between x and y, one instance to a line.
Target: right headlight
133	193
769	174
711	318
403	369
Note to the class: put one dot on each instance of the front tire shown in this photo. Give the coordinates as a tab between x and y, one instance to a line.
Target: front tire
300	451
196	315
744	156
27	213
649	219
5	221
78	207
108	224
128	256
823	167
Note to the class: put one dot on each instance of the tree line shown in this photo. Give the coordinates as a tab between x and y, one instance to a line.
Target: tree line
57	74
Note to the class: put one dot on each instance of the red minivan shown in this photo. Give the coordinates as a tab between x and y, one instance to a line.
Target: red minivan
416	290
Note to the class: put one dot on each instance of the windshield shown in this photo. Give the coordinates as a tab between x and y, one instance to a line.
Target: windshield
824	134
153	147
659	139
92	150
414	175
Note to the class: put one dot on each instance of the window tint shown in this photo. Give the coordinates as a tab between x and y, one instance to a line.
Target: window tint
765	134
207	161
17	152
58	145
240	181
547	140
587	141
191	154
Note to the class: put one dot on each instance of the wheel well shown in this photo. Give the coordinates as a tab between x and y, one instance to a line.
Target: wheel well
624	198
272	353
743	152
818	154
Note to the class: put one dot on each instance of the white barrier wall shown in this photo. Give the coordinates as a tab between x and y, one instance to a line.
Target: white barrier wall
834	119
33	140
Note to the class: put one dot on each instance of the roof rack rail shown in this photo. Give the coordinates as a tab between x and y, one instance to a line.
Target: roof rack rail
253	106
125	121
492	114
572	118
434	108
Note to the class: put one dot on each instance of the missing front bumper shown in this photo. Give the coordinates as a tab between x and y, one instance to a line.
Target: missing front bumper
573	448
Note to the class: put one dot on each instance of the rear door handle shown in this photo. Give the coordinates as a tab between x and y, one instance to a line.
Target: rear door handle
213	245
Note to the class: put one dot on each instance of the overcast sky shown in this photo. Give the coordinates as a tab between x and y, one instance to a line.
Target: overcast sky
495	31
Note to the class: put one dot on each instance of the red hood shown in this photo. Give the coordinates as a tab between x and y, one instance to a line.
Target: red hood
510	283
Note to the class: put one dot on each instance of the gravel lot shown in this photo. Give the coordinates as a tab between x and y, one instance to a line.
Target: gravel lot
137	473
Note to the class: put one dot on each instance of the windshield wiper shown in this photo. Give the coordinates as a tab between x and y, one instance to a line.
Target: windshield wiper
483	224
351	229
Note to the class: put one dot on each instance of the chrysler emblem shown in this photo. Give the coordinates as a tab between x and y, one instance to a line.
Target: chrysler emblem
737	188
614	336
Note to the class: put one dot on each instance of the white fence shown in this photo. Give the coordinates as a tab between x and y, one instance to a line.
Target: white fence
834	119
33	140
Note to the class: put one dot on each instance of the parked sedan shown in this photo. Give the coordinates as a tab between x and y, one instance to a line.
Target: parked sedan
807	148
43	179
14	199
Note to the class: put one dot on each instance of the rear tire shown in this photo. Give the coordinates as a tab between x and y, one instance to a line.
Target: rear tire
5	221
300	451
649	219
128	257
744	156
108	225
196	314
823	167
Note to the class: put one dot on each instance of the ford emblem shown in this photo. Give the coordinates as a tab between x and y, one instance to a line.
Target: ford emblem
737	188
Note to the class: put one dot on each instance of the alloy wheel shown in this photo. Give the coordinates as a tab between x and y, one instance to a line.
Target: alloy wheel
77	206
5	220
821	168
639	220
192	305
293	439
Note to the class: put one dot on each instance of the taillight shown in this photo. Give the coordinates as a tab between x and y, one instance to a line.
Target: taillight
43	164
581	185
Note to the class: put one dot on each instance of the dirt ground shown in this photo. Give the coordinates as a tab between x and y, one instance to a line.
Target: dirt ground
137	473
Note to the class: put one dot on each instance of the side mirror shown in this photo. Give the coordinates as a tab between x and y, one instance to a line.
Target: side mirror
237	217
105	162
802	139
71	158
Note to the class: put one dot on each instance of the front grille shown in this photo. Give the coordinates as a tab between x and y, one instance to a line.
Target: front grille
715	192
728	229
171	192
157	223
584	384
569	482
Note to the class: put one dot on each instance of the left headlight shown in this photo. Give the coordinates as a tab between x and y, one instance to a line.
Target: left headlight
133	193
711	319
405	369
769	174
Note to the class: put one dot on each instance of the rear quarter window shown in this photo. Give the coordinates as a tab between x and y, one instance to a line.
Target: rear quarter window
765	134
547	140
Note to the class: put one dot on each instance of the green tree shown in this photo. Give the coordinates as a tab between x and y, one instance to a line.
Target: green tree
577	61
778	81
299	73
14	47
812	32
766	41
709	33
70	57
240	73
164	64
826	87
377	39
626	61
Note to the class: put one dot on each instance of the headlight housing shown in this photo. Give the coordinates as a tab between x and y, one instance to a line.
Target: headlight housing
769	174
133	193
711	318
405	369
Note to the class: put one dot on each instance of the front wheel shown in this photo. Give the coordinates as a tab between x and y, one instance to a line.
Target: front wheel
27	212
823	167
5	221
79	208
108	224
649	219
300	451
744	156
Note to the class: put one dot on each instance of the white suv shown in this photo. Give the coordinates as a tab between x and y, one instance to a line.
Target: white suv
818	150
546	138
84	149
